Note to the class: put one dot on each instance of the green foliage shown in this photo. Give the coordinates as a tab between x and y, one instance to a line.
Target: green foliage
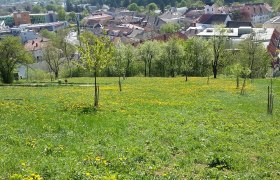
152	7
12	53
38	75
149	52
61	15
47	34
54	58
95	52
51	7
173	54
133	7
169	28
197	55
37	9
218	44
254	56
71	16
124	60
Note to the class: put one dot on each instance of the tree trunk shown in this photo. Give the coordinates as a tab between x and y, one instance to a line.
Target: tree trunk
70	69
186	76
127	71
7	77
243	87
149	67
120	84
145	69
56	75
237	82
95	90
215	70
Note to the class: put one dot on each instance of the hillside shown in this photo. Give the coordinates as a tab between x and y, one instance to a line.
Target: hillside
155	128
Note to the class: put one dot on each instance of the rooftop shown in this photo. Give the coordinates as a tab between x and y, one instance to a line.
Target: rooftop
275	20
212	18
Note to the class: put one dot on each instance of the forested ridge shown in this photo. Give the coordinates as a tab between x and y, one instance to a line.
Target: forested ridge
125	3
173	3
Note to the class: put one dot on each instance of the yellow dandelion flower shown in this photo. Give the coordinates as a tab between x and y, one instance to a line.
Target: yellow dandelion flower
98	158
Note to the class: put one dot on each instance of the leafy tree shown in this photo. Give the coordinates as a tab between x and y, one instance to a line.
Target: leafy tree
69	5
72	16
66	48
173	53
152	7
218	43
51	7
47	34
254	56
148	52
54	58
126	3
169	28
129	53
12	53
37	9
183	4
133	7
196	57
85	13
95	52
119	62
61	14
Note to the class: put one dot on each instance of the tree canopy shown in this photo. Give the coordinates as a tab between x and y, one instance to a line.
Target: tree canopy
12	53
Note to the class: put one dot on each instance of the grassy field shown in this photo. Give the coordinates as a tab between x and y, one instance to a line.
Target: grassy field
163	128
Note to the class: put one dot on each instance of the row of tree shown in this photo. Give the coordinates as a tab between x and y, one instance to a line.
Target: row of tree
194	57
162	4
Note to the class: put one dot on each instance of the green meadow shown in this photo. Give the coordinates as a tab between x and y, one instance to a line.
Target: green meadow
156	128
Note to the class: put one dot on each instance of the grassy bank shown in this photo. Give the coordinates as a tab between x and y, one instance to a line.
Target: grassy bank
154	128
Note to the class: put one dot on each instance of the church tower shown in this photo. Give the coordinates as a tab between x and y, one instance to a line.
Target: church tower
209	7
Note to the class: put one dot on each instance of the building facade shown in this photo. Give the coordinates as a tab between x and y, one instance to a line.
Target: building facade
21	18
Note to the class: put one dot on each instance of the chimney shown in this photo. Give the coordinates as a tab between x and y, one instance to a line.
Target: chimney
36	45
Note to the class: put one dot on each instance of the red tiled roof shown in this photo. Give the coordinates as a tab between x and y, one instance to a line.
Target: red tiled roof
166	37
36	44
273	44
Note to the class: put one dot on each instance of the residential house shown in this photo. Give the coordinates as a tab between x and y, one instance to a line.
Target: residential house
210	20
95	18
54	26
167	36
269	37
173	16
152	23
257	13
48	17
210	8
21	18
36	47
237	24
192	14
